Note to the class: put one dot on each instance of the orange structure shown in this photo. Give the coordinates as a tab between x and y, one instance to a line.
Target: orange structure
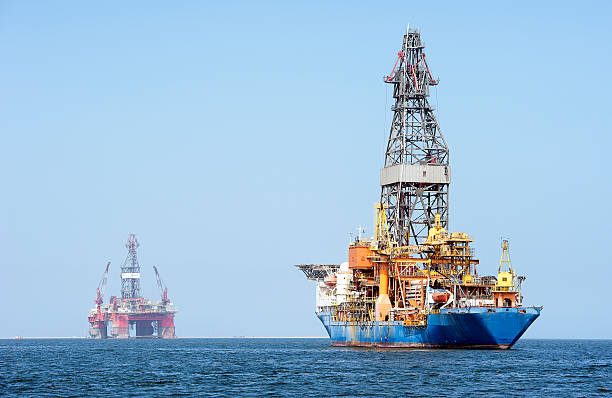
360	256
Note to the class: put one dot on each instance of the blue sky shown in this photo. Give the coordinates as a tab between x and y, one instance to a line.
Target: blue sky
238	139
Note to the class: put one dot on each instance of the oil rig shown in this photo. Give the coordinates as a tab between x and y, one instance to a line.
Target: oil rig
131	315
414	284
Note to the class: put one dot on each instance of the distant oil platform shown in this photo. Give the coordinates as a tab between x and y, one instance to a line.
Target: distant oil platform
131	315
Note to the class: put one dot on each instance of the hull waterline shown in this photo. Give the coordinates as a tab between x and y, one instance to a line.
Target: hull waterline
473	328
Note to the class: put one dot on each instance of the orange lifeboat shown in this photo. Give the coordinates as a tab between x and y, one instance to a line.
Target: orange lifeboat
330	280
441	296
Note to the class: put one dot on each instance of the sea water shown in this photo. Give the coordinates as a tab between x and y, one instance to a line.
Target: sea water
298	367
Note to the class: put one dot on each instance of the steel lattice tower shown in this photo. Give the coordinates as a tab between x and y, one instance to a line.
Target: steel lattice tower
130	271
416	175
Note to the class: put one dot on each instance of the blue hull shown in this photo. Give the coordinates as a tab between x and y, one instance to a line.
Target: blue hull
475	327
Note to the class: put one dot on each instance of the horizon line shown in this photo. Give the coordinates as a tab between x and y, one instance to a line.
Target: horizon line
249	337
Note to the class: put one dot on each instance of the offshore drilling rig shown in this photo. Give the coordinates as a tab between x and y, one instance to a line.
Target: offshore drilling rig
415	284
131	315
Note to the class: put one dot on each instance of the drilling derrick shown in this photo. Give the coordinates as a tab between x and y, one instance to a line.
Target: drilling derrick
416	174
130	271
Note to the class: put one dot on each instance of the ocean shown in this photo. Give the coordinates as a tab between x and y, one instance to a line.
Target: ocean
298	367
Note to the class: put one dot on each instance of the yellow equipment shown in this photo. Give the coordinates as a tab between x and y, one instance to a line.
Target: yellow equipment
437	232
505	279
381	235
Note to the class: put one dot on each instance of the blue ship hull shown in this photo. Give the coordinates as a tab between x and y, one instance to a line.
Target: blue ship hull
474	327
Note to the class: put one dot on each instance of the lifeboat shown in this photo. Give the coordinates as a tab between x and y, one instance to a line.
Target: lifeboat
441	296
330	280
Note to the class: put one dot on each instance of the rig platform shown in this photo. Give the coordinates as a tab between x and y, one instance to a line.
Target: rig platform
131	315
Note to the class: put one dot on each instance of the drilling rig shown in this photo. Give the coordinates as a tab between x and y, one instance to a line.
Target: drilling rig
131	315
414	284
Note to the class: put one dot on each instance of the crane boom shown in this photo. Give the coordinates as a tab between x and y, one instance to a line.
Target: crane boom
102	285
162	287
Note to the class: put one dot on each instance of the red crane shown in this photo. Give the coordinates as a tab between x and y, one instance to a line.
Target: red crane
162	287
101	286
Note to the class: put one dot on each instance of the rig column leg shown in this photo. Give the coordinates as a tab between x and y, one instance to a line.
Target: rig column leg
98	330
120	329
166	327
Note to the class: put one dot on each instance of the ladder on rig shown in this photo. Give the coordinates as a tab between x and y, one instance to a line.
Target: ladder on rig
414	294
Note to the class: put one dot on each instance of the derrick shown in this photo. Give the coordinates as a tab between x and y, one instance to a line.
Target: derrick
416	174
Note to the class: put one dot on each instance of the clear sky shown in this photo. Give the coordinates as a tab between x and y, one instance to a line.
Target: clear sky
236	139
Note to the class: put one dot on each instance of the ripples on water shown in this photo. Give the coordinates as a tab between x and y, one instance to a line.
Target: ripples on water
299	367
